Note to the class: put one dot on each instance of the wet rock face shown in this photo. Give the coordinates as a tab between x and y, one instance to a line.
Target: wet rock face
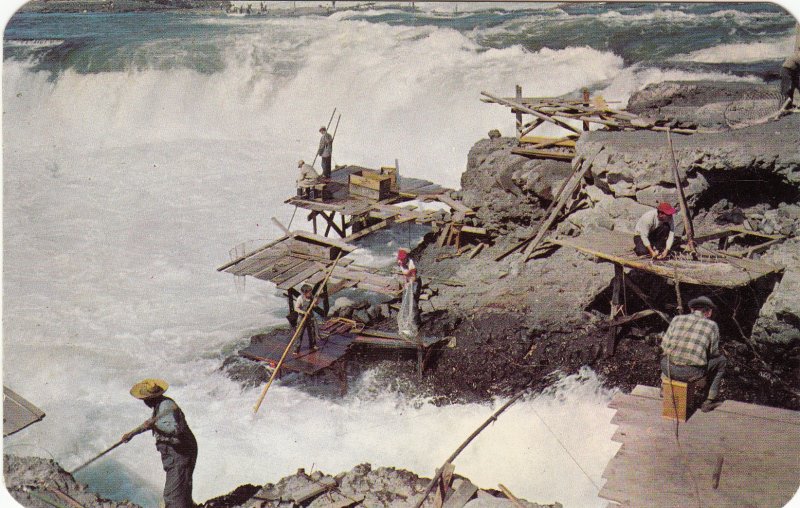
705	104
779	318
506	190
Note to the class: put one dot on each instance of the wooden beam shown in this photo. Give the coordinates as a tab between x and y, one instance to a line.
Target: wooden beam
532	111
545	154
646	299
568	190
616	291
364	232
531	126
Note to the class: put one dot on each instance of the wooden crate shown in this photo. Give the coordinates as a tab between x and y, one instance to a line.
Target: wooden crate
370	184
392	172
678	397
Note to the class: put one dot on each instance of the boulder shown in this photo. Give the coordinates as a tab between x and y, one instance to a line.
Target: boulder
779	318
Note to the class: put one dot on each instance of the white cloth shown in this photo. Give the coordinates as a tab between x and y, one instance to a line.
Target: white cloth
648	222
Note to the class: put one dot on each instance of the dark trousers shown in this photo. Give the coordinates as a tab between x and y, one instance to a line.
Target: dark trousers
310	330
790	81
716	368
179	465
326	167
658	240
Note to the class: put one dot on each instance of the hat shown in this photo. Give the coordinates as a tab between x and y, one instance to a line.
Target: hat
305	287
300	162
402	254
322	129
149	388
666	208
702	302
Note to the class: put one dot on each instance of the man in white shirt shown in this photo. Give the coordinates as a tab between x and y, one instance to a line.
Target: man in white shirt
303	306
790	77
655	232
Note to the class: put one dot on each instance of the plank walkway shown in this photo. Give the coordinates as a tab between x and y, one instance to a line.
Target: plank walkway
759	446
266	348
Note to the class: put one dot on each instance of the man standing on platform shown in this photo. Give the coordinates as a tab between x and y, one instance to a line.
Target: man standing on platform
325	151
174	440
303	306
790	78
408	318
691	348
655	232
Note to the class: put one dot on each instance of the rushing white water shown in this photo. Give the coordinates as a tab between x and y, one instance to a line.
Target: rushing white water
123	190
776	49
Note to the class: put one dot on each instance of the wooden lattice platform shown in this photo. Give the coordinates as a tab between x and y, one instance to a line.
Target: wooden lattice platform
714	269
754	451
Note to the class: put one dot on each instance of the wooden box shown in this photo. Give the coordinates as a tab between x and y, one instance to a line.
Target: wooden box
392	172
370	185
678	397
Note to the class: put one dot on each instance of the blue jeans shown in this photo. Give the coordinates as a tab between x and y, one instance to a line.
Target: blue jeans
716	368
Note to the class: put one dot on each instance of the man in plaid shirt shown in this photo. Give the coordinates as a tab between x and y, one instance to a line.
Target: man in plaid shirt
691	348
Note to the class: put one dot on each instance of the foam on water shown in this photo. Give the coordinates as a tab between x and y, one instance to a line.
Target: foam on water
773	49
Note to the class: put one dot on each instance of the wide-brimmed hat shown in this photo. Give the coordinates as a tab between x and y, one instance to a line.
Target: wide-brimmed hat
666	208
702	302
149	388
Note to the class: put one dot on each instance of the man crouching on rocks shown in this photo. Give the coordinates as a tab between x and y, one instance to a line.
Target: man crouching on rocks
174	440
655	232
691	349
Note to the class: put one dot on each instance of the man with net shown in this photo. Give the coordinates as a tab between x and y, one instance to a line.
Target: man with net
408	319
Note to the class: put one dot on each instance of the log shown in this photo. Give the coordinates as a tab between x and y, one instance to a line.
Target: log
511	497
569	189
687	218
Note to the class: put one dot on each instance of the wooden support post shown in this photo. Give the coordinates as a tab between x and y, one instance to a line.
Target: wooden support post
519	113
420	361
342	374
678	292
585	103
343	232
291	294
616	291
314	218
641	294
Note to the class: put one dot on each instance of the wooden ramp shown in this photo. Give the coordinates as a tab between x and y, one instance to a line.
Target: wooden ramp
715	269
18	413
759	446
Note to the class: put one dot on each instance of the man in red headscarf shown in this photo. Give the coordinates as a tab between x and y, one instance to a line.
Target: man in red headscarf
655	232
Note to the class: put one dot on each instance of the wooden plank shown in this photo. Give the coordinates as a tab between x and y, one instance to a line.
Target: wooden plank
364	232
542	141
249	254
290	274
546	154
478	248
311	269
461	495
276	269
313	490
567	190
444	234
333	242
473	230
454	204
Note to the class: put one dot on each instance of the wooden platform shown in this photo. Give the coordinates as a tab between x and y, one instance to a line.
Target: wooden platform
270	348
720	269
18	413
305	258
759	446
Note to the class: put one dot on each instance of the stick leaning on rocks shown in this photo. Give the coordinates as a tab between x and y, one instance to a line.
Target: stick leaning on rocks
297	332
463	445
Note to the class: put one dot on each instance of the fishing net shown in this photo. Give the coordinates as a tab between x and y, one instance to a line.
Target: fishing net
757	106
407	317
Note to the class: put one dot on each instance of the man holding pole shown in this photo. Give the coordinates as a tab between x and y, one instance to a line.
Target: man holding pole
303	306
174	440
325	151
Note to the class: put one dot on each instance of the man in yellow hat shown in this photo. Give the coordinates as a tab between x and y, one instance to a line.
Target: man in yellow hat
174	440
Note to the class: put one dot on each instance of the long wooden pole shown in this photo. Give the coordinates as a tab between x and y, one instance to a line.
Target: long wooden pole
531	111
687	219
121	441
463	445
297	333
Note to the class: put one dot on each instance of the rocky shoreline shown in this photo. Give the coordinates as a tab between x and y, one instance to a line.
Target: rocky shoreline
38	483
